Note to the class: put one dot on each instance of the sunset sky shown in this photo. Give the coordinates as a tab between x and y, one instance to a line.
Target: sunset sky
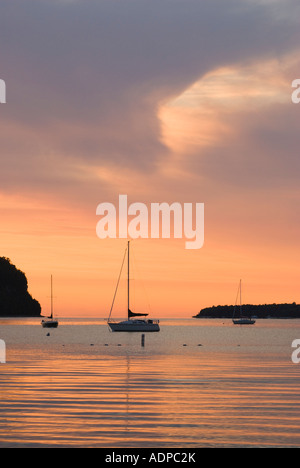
165	101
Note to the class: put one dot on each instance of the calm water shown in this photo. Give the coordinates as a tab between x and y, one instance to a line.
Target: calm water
84	386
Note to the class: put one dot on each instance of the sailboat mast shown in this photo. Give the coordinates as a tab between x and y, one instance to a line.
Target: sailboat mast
241	296
128	281
51	297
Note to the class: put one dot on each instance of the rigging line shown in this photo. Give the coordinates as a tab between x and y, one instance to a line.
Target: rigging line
113	302
236	301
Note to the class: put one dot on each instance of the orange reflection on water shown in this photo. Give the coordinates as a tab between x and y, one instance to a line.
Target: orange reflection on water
188	399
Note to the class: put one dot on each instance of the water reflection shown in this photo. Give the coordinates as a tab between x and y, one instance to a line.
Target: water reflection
64	392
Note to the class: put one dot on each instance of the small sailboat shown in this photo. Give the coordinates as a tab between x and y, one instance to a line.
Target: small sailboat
50	322
130	325
241	320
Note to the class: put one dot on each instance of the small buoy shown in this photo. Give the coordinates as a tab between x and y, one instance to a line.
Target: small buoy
199	344
92	344
106	344
48	334
184	345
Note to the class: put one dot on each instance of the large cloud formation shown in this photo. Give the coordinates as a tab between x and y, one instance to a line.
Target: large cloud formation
85	79
163	100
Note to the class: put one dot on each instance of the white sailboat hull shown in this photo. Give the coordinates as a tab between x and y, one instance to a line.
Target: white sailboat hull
135	326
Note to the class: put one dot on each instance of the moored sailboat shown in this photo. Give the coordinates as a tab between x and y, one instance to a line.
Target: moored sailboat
130	325
50	322
241	320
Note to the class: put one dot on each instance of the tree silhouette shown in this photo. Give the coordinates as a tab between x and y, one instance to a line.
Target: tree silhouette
262	311
15	300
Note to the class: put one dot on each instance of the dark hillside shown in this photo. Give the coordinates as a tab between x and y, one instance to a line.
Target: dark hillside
279	311
15	300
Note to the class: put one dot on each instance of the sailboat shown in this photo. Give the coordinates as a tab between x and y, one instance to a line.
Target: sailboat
241	320
50	322
130	325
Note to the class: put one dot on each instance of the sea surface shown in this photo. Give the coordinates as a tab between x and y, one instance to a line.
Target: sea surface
197	383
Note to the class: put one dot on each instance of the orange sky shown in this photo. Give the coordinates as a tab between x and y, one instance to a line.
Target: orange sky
226	136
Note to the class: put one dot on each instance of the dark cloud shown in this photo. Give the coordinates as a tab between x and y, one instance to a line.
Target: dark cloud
85	78
262	153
